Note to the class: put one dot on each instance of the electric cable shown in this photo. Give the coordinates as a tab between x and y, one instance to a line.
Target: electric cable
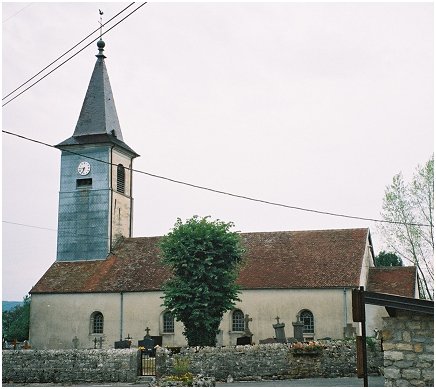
28	225
220	191
57	59
69	58
16	13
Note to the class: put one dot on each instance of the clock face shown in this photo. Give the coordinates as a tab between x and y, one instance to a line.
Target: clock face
84	168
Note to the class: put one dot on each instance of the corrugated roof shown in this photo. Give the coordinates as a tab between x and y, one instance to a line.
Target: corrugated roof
294	259
397	280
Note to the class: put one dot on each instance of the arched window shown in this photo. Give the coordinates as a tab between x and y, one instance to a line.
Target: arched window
121	179
307	318
238	323
168	322
97	323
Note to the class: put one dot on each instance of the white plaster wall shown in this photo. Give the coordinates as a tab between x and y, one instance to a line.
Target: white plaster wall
374	315
121	203
57	318
120	158
327	305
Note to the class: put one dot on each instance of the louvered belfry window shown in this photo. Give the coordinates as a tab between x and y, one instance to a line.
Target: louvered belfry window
121	179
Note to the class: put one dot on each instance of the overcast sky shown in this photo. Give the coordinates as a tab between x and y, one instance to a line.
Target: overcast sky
310	105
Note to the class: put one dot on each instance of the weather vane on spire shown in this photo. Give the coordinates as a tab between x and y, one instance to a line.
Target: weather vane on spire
100	43
101	22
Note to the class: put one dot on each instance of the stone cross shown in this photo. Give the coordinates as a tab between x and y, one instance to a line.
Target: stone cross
147	330
247	319
76	342
279	329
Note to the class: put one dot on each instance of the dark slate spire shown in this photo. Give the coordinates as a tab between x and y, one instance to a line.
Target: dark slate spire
98	119
98	114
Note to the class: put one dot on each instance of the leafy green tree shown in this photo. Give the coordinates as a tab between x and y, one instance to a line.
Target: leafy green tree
16	322
205	257
387	259
411	237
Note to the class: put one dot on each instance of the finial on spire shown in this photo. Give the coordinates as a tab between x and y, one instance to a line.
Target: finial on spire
101	22
100	43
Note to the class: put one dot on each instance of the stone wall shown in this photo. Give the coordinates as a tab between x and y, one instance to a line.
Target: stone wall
271	361
70	366
408	350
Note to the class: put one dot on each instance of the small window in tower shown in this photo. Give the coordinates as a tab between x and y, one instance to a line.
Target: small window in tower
121	178
84	183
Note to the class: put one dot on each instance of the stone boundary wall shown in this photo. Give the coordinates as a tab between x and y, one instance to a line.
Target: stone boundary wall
408	349
271	361
70	366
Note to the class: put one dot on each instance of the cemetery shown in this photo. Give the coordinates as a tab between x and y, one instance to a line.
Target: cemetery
278	357
266	361
403	353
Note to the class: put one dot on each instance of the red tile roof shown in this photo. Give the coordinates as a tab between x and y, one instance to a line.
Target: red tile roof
296	259
398	280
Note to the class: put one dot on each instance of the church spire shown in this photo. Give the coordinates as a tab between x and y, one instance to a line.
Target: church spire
98	120
98	114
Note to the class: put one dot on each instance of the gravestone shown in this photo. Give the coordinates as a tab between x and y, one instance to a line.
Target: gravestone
148	343
98	341
243	341
75	342
279	328
122	344
248	335
267	341
247	332
298	330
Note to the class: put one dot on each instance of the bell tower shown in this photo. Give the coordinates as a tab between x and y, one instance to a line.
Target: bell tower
95	199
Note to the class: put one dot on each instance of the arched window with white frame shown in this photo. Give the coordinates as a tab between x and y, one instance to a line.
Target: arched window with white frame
238	322
96	323
168	322
306	317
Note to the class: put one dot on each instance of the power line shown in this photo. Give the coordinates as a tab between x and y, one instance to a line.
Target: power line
16	13
28	225
223	192
57	59
69	58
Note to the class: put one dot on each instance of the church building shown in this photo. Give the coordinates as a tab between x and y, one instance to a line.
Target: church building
106	285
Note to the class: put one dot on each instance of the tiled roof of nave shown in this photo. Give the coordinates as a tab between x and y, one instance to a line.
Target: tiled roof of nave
288	259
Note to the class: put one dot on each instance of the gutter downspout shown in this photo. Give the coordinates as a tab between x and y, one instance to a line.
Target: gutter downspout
345	310
131	199
121	314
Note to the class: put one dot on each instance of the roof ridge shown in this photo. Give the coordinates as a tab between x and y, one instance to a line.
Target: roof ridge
267	232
